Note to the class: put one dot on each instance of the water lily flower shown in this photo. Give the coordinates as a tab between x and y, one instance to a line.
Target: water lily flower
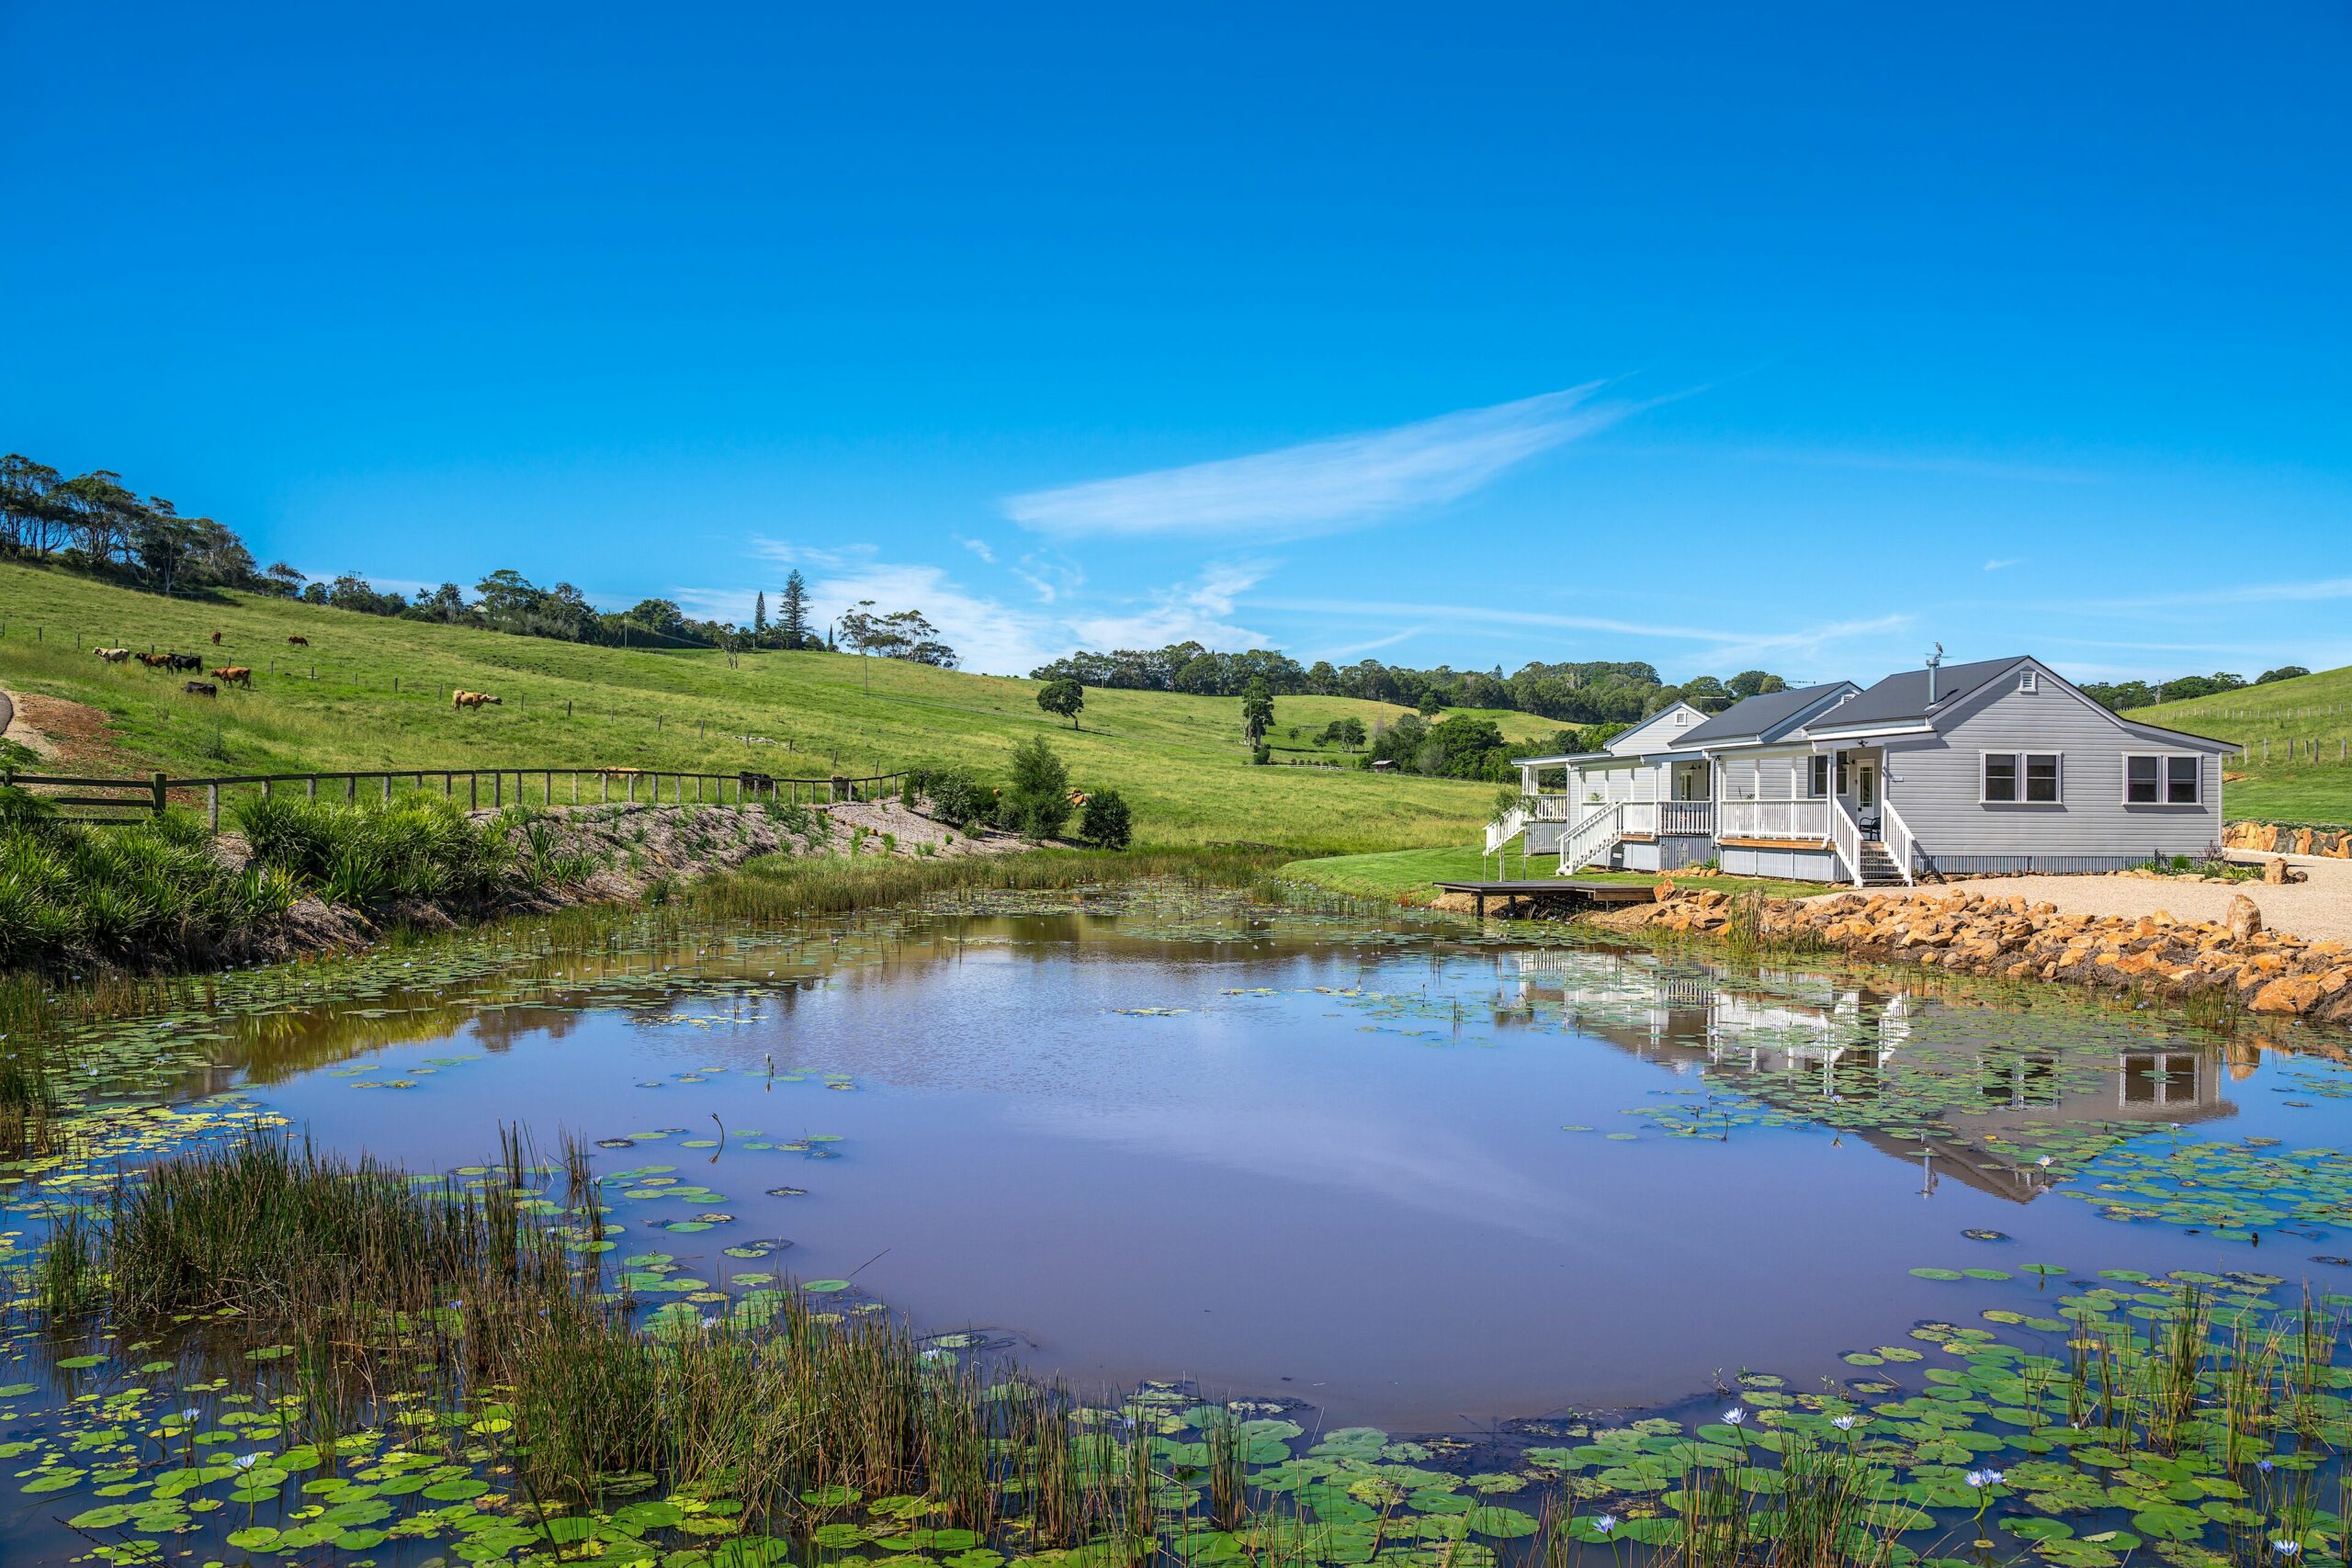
1844	1422
1735	1415
246	1461
2043	1162
2264	1466
1606	1523
2288	1548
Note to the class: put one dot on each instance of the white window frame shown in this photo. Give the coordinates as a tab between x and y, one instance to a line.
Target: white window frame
2164	761
2020	761
1817	777
2057	782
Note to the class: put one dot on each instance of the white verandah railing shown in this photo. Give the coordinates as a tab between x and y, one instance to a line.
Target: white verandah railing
1895	834
1589	839
1804	821
1846	835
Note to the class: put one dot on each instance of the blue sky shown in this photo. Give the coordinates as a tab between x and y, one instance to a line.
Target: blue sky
1718	336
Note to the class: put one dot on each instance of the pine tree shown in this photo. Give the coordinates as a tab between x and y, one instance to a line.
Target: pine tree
792	617
760	614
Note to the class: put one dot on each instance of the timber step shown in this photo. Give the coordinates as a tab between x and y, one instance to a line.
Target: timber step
1878	867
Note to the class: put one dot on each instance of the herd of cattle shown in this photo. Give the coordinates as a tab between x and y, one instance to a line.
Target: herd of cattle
243	674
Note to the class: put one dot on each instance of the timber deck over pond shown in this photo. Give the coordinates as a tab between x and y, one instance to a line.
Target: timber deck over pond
1586	889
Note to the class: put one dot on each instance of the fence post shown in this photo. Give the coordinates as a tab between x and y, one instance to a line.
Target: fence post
159	794
448	786
498	789
550	782
314	783
351	789
388	789
473	792
632	789
212	804
604	787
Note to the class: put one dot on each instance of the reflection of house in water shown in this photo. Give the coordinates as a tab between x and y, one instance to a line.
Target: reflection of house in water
1963	1107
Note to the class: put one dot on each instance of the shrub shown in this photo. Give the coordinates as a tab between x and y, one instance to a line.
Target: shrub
138	892
418	847
1104	821
956	797
1263	755
1036	803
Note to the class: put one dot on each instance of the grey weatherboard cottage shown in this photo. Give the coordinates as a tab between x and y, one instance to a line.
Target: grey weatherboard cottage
1996	765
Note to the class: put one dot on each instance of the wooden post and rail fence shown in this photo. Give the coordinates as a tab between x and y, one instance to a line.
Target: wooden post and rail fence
150	796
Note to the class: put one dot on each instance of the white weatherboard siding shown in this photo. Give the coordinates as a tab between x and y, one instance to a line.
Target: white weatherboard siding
1772	775
1934	782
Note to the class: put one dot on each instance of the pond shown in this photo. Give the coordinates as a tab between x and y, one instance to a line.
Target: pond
1493	1192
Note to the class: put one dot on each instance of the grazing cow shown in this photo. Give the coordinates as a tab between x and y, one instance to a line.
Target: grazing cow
297	640
462	699
201	689
155	661
235	674
184	662
112	655
216	639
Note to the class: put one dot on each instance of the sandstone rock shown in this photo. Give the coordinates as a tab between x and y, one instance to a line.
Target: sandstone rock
2293	993
2274	872
2245	918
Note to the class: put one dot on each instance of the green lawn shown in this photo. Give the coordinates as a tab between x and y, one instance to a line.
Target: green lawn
380	699
1409	874
2290	784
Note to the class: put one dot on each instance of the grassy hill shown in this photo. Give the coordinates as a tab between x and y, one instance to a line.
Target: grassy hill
370	693
2290	784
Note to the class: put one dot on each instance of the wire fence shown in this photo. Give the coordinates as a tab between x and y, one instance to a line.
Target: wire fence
152	795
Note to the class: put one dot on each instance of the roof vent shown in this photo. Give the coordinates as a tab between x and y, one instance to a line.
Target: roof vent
1934	659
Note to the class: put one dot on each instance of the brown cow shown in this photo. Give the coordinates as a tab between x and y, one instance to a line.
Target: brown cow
235	674
216	639
297	640
155	661
112	655
464	699
201	689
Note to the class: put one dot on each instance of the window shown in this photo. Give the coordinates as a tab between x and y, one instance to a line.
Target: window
2000	777
1819	785
1841	772
2029	778
2162	781
2041	777
2030	683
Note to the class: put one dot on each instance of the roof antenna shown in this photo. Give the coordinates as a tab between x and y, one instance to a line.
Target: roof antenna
1933	659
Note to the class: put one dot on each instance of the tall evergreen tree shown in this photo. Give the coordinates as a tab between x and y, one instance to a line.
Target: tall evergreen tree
760	615
792	617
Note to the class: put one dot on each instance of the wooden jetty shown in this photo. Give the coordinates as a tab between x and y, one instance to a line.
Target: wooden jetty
1572	890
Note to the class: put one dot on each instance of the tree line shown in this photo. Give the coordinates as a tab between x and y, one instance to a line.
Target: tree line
2119	695
1593	691
94	522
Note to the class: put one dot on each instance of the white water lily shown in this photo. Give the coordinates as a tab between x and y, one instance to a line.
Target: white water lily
1735	1415
1844	1422
246	1461
1606	1523
2288	1548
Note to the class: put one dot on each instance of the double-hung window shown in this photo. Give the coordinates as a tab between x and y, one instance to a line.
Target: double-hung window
2162	781
2031	778
1817	784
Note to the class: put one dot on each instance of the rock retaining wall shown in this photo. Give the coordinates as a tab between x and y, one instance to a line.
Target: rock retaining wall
2288	838
2266	972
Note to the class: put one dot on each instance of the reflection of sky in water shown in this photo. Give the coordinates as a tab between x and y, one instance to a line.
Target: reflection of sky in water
1361	1202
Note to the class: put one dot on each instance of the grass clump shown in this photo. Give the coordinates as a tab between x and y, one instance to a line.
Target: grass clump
775	888
134	894
366	854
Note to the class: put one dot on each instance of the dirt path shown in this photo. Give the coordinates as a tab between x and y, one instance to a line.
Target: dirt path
2319	911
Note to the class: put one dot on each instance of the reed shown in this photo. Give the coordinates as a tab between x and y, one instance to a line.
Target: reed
779	887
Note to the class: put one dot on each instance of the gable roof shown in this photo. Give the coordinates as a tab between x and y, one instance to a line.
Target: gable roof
1901	698
1753	718
1638	740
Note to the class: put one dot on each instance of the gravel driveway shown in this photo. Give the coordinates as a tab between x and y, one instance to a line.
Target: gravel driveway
2318	910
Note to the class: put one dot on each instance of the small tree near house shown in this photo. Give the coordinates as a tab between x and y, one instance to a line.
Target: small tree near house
1064	696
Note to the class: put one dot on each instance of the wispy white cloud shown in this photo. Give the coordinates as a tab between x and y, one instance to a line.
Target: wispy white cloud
978	548
819	556
2002	563
1357	649
1324	485
1197	610
2292	591
1050	575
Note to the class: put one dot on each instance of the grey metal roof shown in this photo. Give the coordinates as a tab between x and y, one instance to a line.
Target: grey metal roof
1752	717
1901	698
